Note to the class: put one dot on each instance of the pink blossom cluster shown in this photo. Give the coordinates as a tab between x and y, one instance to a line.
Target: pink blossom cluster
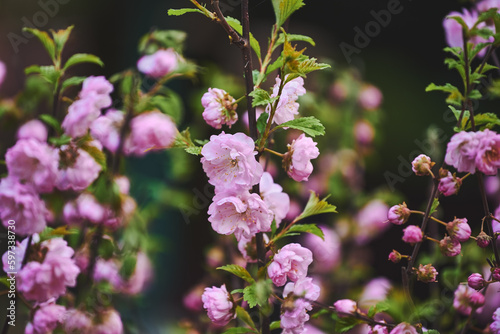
467	299
219	305
159	64
471	151
304	292
287	106
219	108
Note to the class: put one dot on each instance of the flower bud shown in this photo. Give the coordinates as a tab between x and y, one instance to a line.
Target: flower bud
395	256
412	234
345	306
422	165
398	214
476	299
483	240
459	229
449	184
495	274
450	246
219	108
427	273
476	281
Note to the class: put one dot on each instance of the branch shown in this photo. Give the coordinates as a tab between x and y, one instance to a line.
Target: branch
233	35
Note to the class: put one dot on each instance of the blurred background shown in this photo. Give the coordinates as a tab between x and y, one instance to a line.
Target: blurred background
400	58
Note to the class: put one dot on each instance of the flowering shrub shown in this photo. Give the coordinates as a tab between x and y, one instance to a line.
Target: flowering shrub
280	262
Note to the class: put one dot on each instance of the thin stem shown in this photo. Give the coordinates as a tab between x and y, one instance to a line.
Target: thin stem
233	35
271	116
431	239
273	152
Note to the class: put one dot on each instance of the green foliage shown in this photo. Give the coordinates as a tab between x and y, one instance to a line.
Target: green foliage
284	8
296	63
262	122
236	25
106	191
482	121
243	315
106	248
275	325
435	204
182	11
183	140
315	206
95	153
238	271
80	58
292	38
309	125
52	122
258	293
162	39
344	324
167	101
431	331
128	266
454	97
307	228
60	38
47	42
3	280
60	232
49	73
261	97
73	81
238	330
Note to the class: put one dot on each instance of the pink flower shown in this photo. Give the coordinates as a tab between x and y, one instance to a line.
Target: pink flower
47	317
370	97
495	325
33	129
248	248
483	240
3	72
371	221
219	108
229	161
422	165
243	214
374	292
339	91
398	214
450	184
304	287
450	246
80	116
85	207
488	153
427	273
149	131
40	281
116	218
21	203
412	234
485	5
192	300
327	253
364	133
466	299
291	262
404	328
141	276
34	162
297	161
453	29
107	129
109	271
294	319
287	106
97	90
76	321
159	64
110	323
219	305
395	256
345	307
462	150
476	281
276	200
78	171
378	329
459	229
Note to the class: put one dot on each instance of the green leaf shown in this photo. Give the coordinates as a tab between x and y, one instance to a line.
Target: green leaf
183	140
95	153
284	8
250	295
182	11
382	307
128	266
315	206
47	42
434	206
310	65
344	324
258	293
62	231
431	331
483	121
487	67
307	228
475	94
273	228
292	38
168	102
261	97
275	325
309	125
238	330
73	81
106	248
454	97
262	122
457	113
59	141
236	25
60	38
243	315
3	280
238	271
49	73
82	58
52	122
371	311
162	39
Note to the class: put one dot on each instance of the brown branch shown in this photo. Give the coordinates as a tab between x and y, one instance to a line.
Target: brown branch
233	35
